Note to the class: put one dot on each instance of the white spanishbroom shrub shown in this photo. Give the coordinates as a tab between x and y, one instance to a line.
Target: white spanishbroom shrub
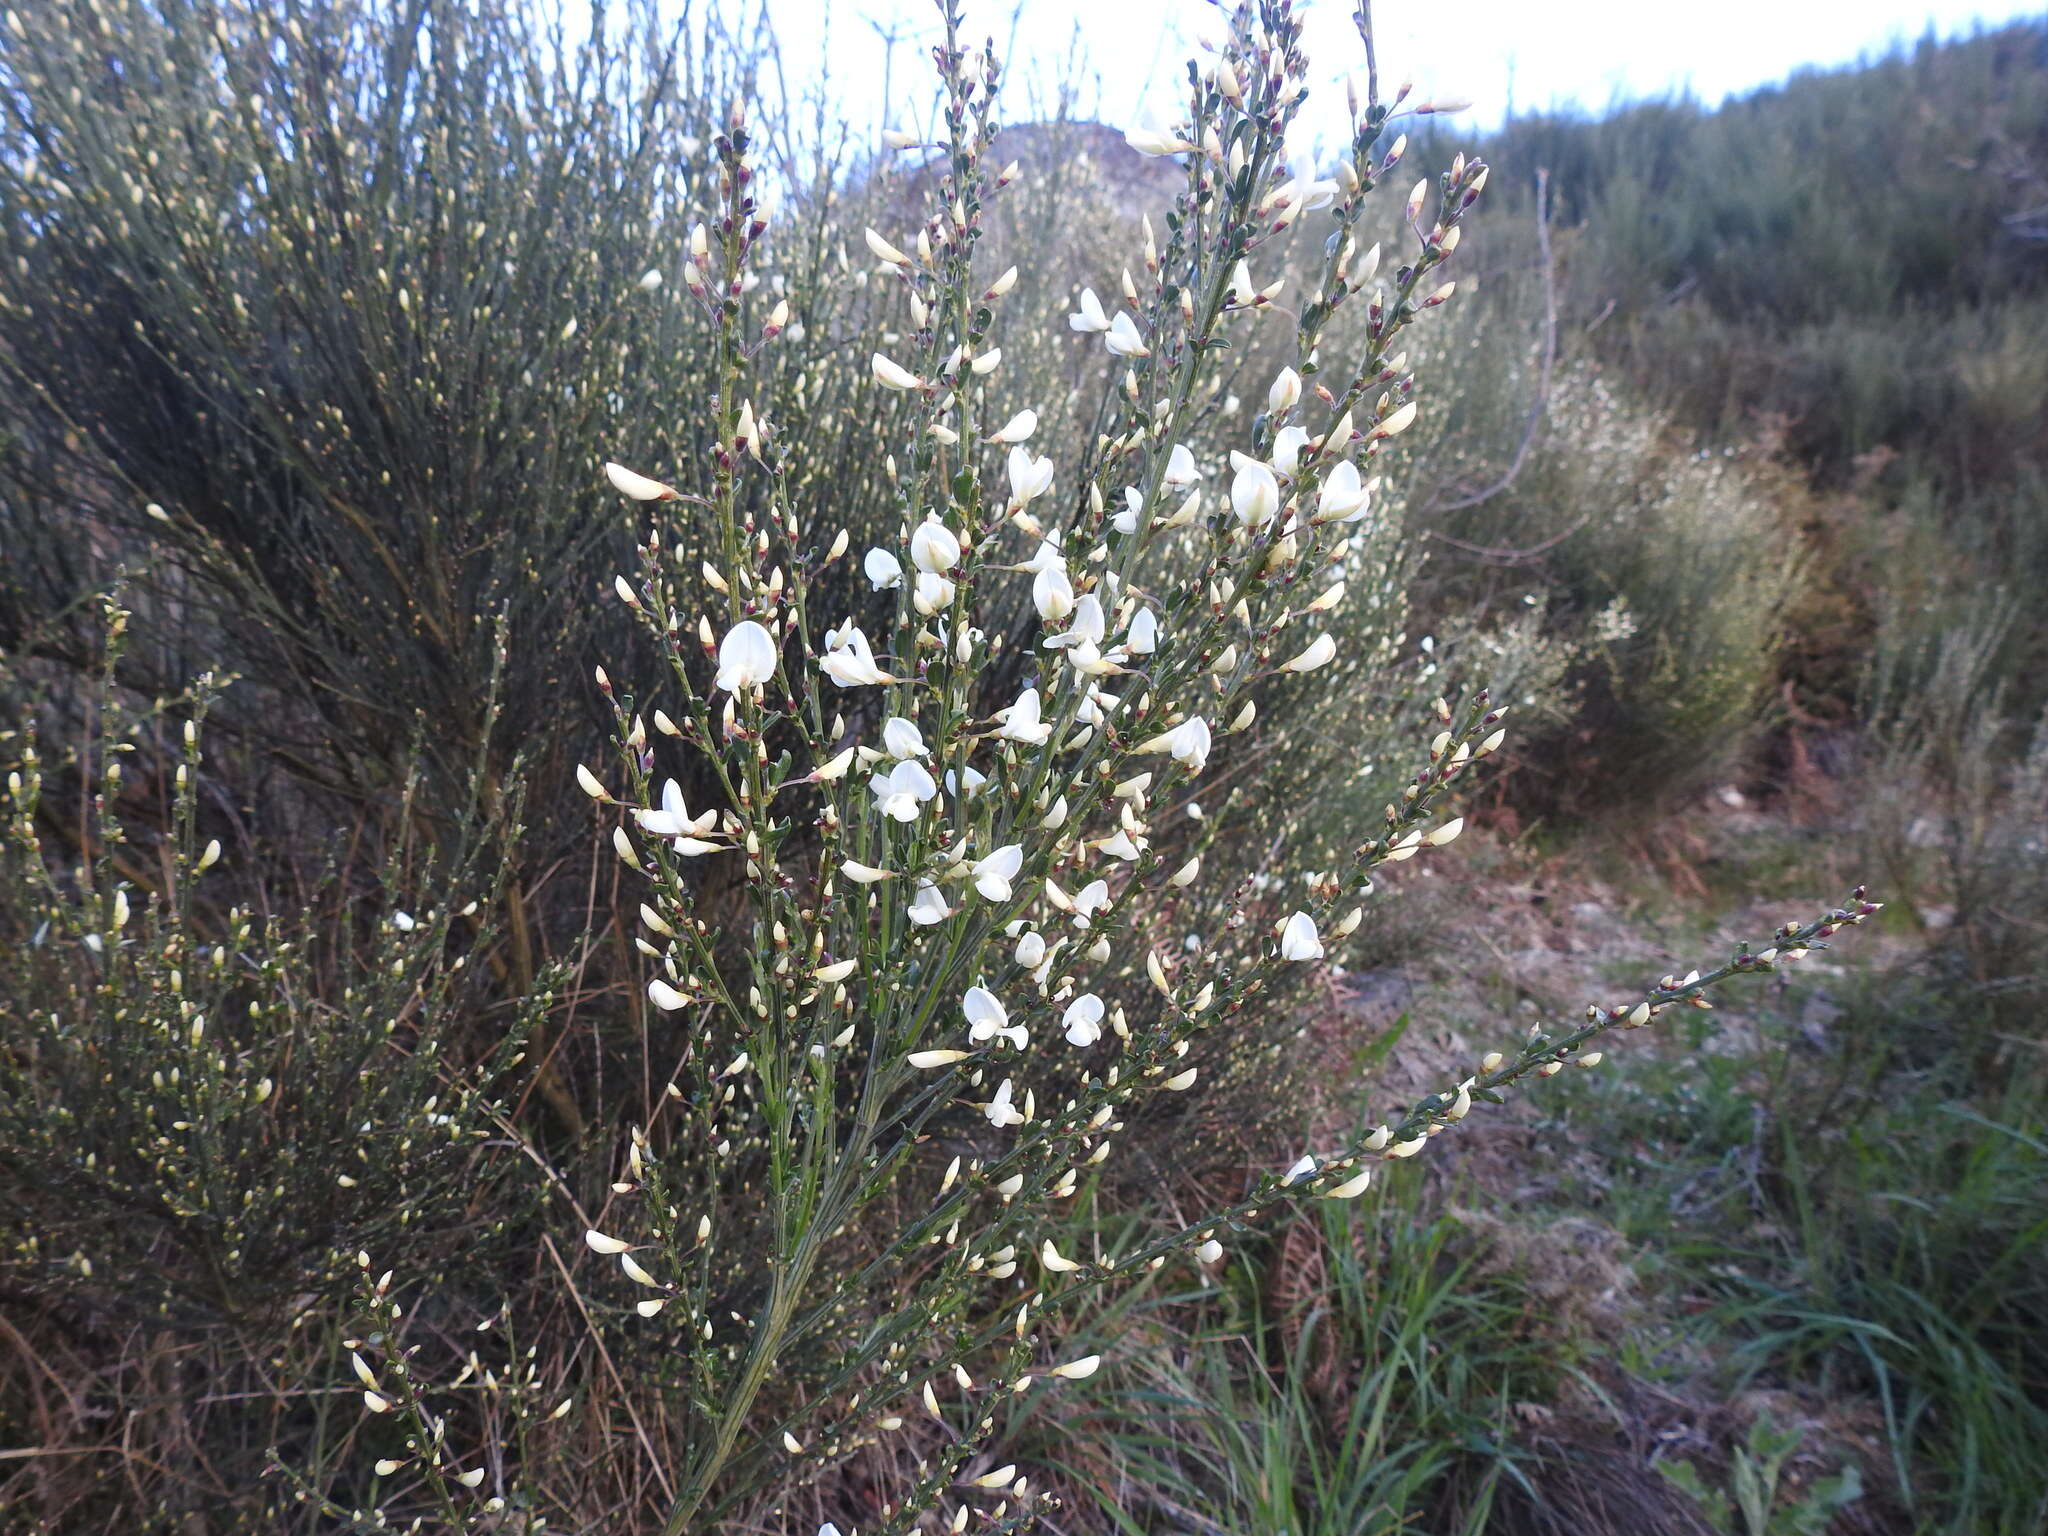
976	936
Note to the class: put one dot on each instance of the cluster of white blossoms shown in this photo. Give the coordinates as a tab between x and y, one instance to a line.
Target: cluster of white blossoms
962	804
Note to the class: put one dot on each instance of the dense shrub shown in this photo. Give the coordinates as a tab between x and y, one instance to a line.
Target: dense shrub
1663	574
215	1091
324	320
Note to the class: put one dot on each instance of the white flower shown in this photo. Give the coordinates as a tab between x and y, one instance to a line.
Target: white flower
988	1019
639	487
1077	1370
850	662
1180	468
1089	660
1120	846
746	657
992	875
892	375
1209	1252
985	1014
1047	557
1187	743
1317	195
674	818
1299	940
1351	1188
1086	627
1050	1256
883	569
1016	429
1021	721
1089	900
599	1243
971	783
1445	833
1123	338
1397	421
1126	521
1317	653
665	997
1052	594
1286	390
1031	951
1254	493
1143	637
934	547
1091	318
901	738
1146	142
1344	496
1083	1020
1287	450
903	790
1302	1169
1000	1111
931	593
1030	478
928	906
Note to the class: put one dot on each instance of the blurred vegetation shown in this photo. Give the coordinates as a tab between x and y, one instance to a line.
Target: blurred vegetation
315	325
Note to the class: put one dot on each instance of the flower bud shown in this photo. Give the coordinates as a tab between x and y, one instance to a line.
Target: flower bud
892	375
638	487
884	250
1400	420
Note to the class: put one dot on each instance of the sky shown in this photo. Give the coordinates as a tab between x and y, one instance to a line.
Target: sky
1496	52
